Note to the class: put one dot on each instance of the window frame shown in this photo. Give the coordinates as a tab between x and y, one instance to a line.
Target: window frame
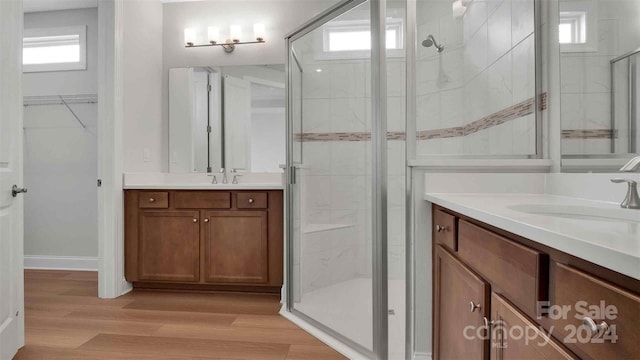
324	52
586	29
81	31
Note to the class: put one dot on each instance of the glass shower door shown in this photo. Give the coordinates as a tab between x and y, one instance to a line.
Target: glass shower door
331	164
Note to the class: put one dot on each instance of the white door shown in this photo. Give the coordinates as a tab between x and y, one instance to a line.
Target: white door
237	123
11	215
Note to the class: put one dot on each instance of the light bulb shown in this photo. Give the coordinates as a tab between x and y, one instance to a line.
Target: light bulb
189	36
235	33
213	34
258	32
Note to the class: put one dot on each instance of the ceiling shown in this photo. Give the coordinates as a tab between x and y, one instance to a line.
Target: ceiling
53	5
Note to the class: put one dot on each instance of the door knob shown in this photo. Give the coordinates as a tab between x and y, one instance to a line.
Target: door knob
15	190
251	201
441	228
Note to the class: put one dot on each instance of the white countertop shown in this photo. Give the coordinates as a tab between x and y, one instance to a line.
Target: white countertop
247	181
205	186
610	244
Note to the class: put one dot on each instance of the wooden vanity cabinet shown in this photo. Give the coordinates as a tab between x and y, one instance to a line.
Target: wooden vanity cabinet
204	240
509	279
236	247
455	289
169	244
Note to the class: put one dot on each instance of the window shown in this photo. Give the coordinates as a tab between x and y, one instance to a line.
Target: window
578	26
352	38
54	49
573	27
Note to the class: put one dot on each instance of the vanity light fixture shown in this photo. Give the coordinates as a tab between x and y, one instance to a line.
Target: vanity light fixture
213	36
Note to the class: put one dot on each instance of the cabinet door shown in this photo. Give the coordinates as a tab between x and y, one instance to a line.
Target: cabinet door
169	245
236	247
514	336
458	328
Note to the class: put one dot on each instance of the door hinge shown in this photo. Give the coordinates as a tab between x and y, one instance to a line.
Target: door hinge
99	182
209	88
209	128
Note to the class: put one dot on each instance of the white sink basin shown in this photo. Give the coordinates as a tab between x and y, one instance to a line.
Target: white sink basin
578	212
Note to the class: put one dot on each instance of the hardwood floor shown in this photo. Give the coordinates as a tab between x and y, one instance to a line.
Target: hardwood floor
66	320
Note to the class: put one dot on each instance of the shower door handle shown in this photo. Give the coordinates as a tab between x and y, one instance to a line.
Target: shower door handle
293	175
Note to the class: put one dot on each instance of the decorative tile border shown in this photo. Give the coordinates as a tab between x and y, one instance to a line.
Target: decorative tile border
586	134
516	111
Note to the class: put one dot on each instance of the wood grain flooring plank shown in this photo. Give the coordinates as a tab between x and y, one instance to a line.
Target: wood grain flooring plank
211	306
307	352
35	352
99	326
259	335
150	316
263	321
186	347
59	338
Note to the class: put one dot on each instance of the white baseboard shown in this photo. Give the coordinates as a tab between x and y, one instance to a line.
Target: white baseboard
77	263
421	356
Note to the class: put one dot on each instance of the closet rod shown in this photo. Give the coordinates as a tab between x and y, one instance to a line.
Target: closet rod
60	99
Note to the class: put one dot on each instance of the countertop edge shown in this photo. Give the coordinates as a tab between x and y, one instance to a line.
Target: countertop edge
202	187
611	259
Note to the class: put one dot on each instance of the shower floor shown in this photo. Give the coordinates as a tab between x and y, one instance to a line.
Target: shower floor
346	308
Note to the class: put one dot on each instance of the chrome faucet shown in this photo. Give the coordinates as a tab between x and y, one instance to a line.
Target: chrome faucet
632	165
225	180
632	200
234	171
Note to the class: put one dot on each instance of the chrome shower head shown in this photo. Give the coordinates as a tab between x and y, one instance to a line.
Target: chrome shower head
430	41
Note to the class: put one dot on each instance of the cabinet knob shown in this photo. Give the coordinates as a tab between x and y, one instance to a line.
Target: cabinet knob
251	201
473	306
152	200
488	323
206	220
195	220
595	330
441	228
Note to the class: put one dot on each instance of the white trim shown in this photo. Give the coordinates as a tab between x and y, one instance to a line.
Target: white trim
322	336
421	356
489	165
84	263
111	281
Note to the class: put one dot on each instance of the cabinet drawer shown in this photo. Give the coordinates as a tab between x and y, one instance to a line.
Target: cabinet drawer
153	200
580	292
507	343
518	272
202	200
253	200
445	229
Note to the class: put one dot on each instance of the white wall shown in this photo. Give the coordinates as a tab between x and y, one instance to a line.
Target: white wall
142	53
487	65
279	16
60	156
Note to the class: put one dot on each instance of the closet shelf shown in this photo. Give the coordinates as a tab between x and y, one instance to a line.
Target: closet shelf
60	99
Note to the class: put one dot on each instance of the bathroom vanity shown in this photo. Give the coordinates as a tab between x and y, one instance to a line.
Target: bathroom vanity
504	281
204	237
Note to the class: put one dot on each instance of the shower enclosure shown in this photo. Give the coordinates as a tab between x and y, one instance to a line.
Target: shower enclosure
346	168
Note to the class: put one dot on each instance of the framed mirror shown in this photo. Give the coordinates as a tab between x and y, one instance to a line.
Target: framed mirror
599	66
227	117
